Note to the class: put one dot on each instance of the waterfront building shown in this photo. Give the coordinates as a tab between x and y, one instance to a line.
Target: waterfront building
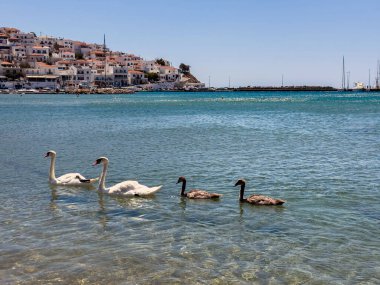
48	61
43	82
42	68
168	73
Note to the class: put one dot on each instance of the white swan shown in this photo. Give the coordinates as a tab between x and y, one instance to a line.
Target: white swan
125	188
69	179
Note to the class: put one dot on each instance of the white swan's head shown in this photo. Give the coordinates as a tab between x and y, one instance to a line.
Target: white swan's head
51	153
101	159
240	182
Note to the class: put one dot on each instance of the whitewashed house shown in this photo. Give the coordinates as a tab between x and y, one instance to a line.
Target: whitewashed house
18	52
168	73
136	77
120	74
66	43
27	39
3	40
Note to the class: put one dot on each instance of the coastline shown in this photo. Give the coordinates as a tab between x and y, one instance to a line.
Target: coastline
199	90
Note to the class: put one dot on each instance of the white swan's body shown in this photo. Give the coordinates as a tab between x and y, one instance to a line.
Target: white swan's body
125	188
69	179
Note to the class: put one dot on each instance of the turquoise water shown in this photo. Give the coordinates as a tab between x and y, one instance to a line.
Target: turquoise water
318	151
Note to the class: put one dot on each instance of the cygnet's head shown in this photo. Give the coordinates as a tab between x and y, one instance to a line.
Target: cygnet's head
240	182
181	179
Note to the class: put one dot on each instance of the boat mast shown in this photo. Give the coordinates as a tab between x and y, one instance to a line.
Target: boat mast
378	74
369	79
343	77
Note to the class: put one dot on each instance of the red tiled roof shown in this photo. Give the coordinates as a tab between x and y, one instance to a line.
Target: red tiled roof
64	62
40	47
168	67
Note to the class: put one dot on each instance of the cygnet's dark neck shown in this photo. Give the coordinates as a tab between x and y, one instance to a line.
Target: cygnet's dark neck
242	187
183	188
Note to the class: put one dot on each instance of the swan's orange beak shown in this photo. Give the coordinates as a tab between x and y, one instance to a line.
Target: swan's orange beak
47	154
95	163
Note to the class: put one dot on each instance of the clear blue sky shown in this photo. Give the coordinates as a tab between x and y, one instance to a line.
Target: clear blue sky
253	42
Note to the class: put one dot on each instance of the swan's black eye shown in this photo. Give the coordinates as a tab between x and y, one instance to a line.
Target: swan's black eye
98	161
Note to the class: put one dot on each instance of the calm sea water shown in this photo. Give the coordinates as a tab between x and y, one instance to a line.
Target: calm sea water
318	151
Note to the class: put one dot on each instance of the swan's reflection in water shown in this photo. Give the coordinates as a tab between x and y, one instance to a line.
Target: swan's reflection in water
182	204
126	207
54	196
102	212
241	212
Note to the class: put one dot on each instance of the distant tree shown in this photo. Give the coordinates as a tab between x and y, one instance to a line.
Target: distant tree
24	64
184	68
152	76
56	47
49	60
161	61
78	55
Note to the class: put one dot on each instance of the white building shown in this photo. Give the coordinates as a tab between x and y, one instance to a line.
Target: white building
81	48
168	73
41	68
136	77
18	52
120	76
4	40
66	43
46	41
67	55
82	75
27	39
150	66
43	81
5	54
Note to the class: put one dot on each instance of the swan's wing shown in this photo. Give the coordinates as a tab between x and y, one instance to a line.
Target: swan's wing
125	188
147	191
70	177
201	194
75	179
264	200
132	188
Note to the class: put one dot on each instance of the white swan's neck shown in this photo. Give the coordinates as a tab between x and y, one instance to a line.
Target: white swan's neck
102	181
52	177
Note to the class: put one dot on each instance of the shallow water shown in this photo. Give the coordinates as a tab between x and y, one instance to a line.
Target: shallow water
318	151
